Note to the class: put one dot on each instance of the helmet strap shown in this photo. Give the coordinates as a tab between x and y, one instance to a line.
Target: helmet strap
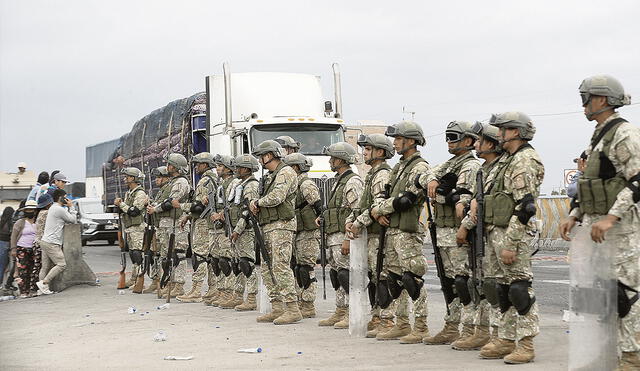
591	115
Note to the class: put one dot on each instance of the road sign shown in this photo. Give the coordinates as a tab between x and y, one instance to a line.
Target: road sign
569	175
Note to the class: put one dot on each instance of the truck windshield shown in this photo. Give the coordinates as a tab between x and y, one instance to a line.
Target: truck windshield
91	208
312	137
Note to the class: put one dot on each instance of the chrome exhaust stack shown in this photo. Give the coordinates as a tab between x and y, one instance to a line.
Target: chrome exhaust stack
337	87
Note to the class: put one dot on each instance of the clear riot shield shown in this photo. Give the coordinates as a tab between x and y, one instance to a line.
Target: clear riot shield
262	298
592	304
358	280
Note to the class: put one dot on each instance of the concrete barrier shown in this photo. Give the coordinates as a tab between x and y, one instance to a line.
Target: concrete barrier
77	271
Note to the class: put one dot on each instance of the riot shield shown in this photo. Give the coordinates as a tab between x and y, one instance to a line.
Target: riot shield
358	280
592	304
262	298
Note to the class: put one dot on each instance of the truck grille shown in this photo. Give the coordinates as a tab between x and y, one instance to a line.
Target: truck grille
325	185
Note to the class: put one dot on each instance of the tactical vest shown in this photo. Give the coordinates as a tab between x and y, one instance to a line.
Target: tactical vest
445	214
305	216
162	195
197	215
408	220
336	215
599	186
367	197
498	204
235	209
169	186
128	220
285	211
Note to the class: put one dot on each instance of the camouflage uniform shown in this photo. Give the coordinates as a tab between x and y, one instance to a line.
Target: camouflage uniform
134	226
279	191
222	249
200	231
307	242
403	248
162	195
244	191
455	258
521	173
624	150
350	199
179	189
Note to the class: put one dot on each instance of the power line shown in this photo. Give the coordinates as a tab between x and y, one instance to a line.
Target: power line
566	113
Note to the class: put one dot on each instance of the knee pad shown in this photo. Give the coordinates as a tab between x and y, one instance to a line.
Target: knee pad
395	288
225	266
462	288
413	284
333	275
448	289
343	278
519	296
371	290
293	263
196	260
246	266
490	291
625	302
383	294
234	267
214	264
136	256
303	276
503	296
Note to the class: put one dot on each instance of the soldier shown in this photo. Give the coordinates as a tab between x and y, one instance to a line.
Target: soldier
132	208
509	206
243	236
307	241
404	264
345	198
613	162
377	149
192	210
289	144
275	210
449	186
222	249
487	310
162	179
168	212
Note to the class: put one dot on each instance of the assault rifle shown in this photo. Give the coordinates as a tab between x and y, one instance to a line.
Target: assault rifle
449	296
168	265
211	205
323	256
122	242
380	254
147	237
261	248
476	252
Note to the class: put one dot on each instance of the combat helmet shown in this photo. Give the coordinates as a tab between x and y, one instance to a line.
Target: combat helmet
304	163
514	120
178	161
224	160
247	161
457	130
203	158
269	146
406	129
341	150
378	141
488	132
161	171
137	175
604	86
287	141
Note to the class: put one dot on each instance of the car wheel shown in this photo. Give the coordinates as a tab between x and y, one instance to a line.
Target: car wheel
111	242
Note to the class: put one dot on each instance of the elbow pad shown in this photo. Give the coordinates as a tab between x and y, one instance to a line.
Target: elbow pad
404	201
133	211
417	182
166	205
633	187
318	208
197	207
447	184
527	210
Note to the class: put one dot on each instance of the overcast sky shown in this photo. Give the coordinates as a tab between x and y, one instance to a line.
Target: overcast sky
76	73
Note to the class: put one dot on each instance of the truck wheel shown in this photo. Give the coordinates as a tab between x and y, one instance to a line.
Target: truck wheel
84	243
111	242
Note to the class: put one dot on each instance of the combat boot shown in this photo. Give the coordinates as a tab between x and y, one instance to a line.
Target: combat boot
479	339
447	335
467	333
211	291
152	288
402	328
249	304
234	300
420	331
163	291
629	361
375	321
385	324
276	311
335	317
307	308
291	314
193	296
523	352
177	289
223	295
132	280
344	322
497	349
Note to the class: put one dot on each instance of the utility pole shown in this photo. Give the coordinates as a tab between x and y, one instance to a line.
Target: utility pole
413	113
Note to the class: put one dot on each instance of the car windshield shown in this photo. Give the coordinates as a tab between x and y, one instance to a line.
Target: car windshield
312	137
91	208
